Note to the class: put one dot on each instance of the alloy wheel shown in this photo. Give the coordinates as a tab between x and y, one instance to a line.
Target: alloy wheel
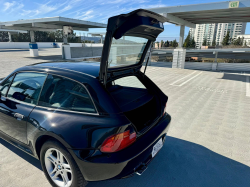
58	168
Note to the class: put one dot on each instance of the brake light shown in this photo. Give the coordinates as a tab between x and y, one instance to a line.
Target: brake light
118	142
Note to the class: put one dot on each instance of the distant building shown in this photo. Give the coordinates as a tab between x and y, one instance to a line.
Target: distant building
246	39
216	31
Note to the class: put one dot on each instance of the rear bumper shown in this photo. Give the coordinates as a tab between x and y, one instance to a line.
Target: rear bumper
125	162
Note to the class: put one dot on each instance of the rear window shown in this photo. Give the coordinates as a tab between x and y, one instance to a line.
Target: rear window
131	81
126	51
62	93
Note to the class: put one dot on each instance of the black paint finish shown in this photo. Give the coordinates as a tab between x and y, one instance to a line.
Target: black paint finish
14	115
28	126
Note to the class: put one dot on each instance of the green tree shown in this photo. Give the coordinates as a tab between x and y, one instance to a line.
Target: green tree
187	42
193	44
162	43
239	41
41	36
204	42
58	35
21	37
4	37
236	41
171	44
226	39
167	43
74	39
245	44
214	43
175	43
158	44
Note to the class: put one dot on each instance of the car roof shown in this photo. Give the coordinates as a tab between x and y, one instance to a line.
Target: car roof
87	67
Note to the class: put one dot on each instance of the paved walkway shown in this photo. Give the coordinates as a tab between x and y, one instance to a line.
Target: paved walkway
10	59
208	143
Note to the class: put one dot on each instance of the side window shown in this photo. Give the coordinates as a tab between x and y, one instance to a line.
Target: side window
27	86
5	85
62	93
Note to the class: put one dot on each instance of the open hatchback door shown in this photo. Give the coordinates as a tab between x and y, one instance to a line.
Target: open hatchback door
127	41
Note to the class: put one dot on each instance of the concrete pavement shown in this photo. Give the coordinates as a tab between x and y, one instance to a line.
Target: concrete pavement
208	143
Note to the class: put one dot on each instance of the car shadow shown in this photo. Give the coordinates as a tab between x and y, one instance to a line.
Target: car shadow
13	50
179	164
235	77
159	64
22	154
185	164
49	57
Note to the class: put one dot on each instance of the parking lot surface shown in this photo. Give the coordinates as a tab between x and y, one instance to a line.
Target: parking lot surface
208	143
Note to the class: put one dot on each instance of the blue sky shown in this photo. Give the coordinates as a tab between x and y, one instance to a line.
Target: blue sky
90	10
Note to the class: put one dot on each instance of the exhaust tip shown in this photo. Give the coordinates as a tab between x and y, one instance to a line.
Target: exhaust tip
140	170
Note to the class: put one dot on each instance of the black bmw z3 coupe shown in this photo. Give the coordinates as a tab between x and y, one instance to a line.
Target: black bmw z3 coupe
90	121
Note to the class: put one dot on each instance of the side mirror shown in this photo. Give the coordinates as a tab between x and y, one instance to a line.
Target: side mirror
19	96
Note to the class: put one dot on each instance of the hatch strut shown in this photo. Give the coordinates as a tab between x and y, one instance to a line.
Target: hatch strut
147	62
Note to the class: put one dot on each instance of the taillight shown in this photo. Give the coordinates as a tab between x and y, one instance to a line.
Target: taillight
118	142
164	110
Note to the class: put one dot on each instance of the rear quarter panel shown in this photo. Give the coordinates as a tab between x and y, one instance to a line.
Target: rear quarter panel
74	130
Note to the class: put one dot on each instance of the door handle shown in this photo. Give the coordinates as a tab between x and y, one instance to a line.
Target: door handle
2	98
18	116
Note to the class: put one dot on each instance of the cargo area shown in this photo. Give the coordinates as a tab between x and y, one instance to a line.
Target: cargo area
139	105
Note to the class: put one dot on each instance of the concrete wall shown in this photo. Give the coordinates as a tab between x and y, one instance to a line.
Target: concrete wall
199	65
243	67
71	45
25	45
92	50
78	52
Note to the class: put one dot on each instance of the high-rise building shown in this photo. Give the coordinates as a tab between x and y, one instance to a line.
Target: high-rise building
216	31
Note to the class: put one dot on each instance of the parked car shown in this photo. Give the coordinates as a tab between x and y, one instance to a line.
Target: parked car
90	121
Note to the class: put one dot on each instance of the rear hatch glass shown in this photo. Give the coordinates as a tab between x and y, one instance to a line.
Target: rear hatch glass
126	51
127	40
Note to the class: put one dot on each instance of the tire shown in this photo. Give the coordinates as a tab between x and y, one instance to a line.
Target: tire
50	157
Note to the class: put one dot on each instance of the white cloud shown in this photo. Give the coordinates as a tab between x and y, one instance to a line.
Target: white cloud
64	9
12	6
42	9
98	10
121	2
45	8
85	15
8	5
29	12
49	7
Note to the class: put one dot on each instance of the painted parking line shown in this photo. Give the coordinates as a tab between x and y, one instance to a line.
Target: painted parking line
190	79
186	81
247	87
173	84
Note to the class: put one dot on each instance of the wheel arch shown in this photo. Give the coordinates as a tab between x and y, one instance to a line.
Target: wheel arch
44	138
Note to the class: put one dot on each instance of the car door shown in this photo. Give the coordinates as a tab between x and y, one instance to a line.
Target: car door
18	98
127	41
